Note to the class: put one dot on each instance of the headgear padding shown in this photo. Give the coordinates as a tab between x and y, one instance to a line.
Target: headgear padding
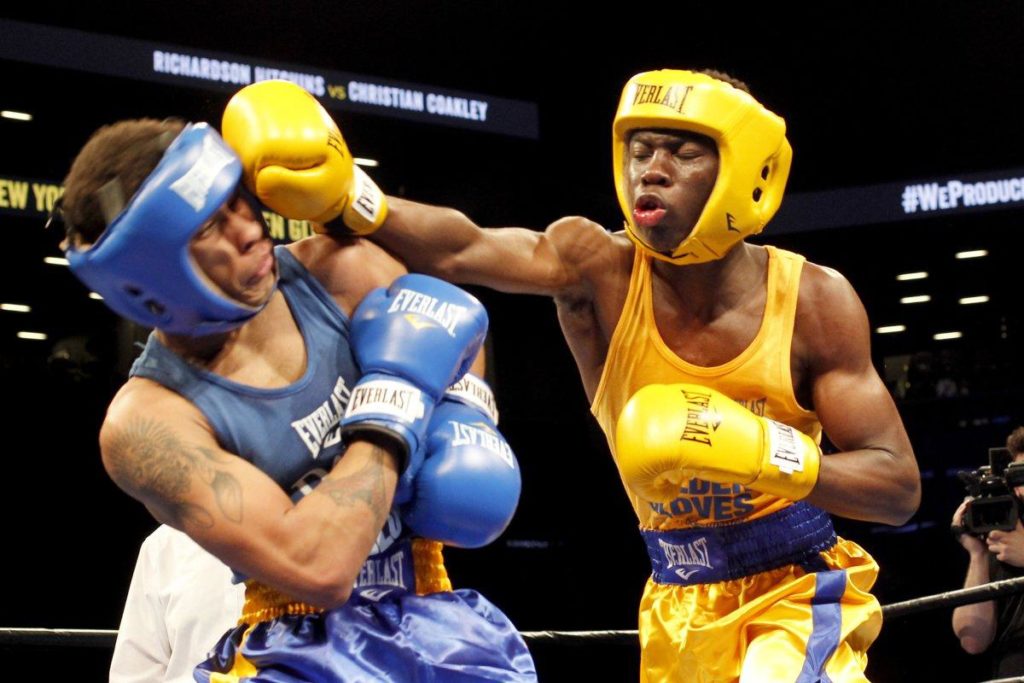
754	155
141	264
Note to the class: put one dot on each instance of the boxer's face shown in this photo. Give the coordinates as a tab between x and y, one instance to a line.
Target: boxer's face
235	254
670	176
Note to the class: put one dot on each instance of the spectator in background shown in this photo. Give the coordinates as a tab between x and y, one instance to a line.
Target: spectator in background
180	601
995	626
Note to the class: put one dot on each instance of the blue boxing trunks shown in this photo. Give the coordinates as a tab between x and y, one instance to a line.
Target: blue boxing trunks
403	623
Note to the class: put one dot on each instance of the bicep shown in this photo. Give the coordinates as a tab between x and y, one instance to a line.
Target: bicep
856	411
855	407
186	480
874	475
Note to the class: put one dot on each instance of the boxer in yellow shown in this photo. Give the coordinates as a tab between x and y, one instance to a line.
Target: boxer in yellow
713	367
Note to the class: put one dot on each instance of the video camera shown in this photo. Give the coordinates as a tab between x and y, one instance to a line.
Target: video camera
992	503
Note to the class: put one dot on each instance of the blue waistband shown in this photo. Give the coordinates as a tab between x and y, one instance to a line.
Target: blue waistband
387	571
794	535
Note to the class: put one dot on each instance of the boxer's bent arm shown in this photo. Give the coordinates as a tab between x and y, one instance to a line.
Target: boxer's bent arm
157	447
445	243
875	476
975	625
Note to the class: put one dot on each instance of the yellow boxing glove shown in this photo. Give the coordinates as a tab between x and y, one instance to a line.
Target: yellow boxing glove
295	160
670	433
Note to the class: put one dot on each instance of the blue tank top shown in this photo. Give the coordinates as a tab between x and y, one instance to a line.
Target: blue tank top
291	432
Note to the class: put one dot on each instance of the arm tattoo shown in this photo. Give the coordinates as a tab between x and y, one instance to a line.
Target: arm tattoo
148	457
365	485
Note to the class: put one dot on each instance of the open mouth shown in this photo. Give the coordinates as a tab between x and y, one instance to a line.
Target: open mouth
648	210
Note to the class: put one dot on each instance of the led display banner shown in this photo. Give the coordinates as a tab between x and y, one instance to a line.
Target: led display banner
27	196
895	202
190	67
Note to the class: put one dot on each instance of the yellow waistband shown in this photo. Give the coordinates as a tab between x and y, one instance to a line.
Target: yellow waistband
263	602
428	561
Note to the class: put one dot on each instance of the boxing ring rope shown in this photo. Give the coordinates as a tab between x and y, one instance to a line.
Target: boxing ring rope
955	598
105	638
65	637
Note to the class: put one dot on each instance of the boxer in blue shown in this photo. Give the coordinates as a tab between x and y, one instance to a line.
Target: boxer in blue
293	414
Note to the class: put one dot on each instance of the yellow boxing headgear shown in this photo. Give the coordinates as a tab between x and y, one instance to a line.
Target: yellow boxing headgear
754	155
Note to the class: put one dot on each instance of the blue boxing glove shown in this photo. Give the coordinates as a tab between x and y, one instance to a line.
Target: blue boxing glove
467	489
411	342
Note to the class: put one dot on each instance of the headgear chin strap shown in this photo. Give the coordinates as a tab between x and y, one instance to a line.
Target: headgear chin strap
754	156
141	264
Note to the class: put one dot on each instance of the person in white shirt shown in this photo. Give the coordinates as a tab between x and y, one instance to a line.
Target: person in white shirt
180	601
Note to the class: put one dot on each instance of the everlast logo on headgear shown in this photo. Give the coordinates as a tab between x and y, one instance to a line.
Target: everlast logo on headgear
729	220
700	419
195	185
673	96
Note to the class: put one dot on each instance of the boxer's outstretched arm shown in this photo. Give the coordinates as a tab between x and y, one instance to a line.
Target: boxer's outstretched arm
295	160
875	476
158	448
445	243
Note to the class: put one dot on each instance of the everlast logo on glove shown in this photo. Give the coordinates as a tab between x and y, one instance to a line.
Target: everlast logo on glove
481	435
701	420
787	452
476	392
445	314
369	199
389	398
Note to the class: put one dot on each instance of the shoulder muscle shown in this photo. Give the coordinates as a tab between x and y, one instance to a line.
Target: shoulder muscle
831	324
156	445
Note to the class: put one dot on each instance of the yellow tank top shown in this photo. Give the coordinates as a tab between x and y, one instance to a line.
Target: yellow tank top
759	378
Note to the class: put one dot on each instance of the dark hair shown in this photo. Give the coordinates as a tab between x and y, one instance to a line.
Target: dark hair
1015	442
722	76
127	151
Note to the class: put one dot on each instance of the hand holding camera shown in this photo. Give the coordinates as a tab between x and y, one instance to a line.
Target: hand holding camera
973	544
991	503
1008	546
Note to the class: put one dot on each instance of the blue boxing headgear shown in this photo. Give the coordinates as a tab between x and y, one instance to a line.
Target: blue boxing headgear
141	264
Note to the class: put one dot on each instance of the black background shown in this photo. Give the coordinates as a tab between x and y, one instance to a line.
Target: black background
871	93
